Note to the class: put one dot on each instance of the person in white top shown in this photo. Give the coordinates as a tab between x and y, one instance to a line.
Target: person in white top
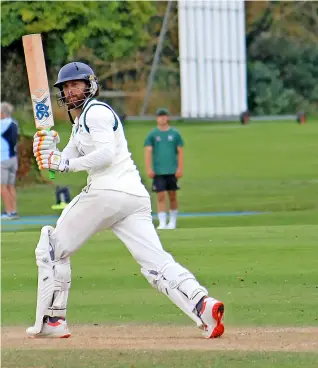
115	198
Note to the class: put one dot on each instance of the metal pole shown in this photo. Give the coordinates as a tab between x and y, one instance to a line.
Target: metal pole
156	58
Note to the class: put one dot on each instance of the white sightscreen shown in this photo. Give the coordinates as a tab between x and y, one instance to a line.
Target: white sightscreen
212	58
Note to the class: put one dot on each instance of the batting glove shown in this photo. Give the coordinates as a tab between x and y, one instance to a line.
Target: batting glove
52	160
45	140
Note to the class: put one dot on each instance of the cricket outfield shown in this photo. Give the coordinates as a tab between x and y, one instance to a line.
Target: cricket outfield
264	267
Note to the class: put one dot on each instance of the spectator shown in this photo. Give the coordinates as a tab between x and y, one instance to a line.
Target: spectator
164	164
9	161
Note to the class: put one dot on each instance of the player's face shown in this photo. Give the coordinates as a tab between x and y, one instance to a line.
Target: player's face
162	120
75	93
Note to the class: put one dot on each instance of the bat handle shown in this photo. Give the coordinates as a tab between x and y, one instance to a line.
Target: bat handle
52	174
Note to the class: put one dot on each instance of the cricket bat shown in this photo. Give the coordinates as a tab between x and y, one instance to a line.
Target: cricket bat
38	83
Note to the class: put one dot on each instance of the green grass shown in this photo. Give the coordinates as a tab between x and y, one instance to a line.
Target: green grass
236	168
306	217
155	359
228	167
265	275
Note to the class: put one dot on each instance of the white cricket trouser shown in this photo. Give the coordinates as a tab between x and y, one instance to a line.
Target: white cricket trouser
129	217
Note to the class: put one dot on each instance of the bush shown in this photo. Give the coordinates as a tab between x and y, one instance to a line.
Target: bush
15	82
282	77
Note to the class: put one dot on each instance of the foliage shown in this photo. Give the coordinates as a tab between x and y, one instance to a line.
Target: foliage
295	20
113	29
119	39
282	76
14	83
283	54
28	172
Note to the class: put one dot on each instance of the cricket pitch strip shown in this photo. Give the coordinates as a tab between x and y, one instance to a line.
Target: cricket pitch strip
156	337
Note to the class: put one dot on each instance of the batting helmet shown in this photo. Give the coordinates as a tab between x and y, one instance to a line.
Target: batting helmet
76	71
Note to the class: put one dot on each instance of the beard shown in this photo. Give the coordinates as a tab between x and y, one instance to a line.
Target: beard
75	101
72	99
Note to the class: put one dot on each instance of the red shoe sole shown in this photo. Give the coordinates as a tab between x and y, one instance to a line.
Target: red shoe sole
217	314
65	336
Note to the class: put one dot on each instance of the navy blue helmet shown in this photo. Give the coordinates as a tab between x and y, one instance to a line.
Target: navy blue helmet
76	71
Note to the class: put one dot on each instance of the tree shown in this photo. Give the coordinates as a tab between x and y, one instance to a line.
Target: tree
295	20
113	29
282	56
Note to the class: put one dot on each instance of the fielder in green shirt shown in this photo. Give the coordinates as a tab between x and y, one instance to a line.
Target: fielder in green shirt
164	164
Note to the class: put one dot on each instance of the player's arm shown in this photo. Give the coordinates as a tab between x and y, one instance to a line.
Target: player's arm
100	122
180	144
179	172
148	156
70	150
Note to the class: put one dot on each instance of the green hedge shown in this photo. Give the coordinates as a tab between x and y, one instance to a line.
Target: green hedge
282	76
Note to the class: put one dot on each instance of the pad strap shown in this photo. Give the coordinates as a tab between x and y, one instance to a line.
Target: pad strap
180	286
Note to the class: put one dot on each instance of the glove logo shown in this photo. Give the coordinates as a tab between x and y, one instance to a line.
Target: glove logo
41	111
55	159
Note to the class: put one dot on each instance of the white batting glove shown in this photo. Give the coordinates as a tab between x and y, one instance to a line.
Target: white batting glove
52	160
45	140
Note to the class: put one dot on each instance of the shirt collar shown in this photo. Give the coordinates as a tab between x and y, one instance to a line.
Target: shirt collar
87	102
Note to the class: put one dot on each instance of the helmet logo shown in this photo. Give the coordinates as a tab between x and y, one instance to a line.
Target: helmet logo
93	84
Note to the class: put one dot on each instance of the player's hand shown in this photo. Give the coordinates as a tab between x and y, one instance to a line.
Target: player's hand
52	160
179	173
45	140
150	173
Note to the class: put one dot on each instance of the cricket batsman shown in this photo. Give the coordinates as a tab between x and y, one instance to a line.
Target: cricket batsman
113	198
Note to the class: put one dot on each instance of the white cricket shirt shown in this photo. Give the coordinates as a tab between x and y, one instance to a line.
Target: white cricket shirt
99	146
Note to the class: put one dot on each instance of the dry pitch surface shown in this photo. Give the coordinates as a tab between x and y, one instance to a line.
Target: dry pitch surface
155	337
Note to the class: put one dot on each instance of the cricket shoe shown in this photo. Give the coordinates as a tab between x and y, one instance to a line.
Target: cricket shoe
4	216
211	314
161	227
9	216
53	327
171	226
13	216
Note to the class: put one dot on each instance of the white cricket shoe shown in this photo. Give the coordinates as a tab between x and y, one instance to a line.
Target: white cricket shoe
211	315
161	227
50	329
171	226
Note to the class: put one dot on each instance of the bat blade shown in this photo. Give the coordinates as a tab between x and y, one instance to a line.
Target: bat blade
38	81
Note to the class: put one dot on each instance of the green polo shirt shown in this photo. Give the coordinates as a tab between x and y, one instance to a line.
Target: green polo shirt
164	150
